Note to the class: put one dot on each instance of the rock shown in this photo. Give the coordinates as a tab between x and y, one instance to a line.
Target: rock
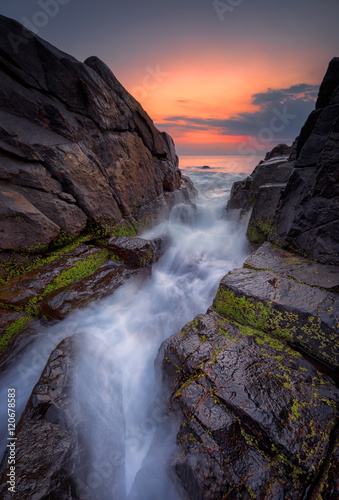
133	251
304	315
275	170
205	167
98	285
53	436
76	147
279	150
265	204
11	322
305	217
329	85
22	225
24	290
281	262
257	419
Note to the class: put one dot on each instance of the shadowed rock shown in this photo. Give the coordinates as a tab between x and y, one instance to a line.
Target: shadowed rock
75	147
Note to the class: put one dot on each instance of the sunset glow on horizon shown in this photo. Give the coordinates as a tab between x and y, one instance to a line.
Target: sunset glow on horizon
215	79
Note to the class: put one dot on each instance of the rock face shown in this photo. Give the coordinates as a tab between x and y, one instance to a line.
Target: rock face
257	419
247	382
135	252
307	215
296	204
75	147
52	457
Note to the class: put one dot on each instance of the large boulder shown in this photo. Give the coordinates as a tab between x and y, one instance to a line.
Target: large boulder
75	147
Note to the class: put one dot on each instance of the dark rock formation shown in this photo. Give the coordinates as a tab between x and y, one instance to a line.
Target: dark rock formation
279	150
52	459
135	252
257	418
75	147
297	204
98	285
275	170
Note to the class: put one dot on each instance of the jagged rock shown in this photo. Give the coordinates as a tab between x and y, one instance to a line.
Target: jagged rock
305	315
279	150
134	251
75	146
257	418
307	216
53	435
19	291
275	170
100	284
306	211
265	205
279	261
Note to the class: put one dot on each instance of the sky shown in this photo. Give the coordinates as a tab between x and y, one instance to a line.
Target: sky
220	76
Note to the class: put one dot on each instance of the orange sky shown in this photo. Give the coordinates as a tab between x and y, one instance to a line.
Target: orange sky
217	85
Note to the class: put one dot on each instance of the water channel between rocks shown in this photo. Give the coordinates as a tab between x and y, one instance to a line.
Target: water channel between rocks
122	333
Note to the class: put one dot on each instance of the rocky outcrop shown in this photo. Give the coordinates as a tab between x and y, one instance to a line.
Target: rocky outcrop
257	417
54	433
307	215
136	252
76	149
299	210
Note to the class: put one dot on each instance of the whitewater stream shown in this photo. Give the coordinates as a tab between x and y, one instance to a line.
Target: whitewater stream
123	333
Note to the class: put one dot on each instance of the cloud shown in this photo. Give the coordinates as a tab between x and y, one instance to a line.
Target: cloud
289	105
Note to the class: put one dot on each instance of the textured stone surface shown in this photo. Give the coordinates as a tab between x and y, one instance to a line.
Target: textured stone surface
100	284
305	315
257	418
281	262
52	447
75	147
22	289
307	216
132	251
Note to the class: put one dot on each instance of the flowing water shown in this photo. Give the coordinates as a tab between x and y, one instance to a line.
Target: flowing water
122	333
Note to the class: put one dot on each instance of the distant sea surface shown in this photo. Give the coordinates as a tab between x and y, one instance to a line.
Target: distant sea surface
239	164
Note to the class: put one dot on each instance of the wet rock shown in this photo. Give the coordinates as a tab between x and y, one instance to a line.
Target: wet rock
279	150
76	147
281	262
100	284
22	225
134	251
307	216
257	418
304	315
275	170
19	291
264	207
53	437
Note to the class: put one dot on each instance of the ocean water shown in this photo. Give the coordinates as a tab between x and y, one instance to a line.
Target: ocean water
122	333
236	164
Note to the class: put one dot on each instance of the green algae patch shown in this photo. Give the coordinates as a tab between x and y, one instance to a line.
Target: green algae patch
80	270
248	311
306	331
11	268
13	330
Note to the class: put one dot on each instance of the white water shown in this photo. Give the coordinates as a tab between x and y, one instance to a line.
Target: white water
123	332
